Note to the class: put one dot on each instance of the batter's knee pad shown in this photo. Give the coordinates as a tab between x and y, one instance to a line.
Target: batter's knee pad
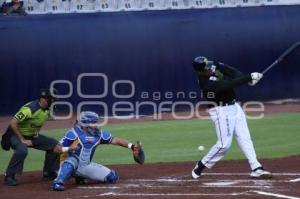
112	177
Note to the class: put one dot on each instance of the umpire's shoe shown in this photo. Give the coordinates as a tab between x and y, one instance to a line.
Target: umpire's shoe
56	186
260	173
10	181
196	172
49	175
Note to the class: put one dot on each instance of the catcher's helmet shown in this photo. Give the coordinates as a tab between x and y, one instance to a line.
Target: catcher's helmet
88	119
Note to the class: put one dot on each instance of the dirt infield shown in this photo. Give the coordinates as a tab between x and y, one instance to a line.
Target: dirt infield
229	179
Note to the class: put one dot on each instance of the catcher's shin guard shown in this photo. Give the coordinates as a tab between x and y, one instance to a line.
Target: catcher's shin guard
64	174
112	177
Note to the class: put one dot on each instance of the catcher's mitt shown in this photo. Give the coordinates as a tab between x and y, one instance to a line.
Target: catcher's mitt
138	153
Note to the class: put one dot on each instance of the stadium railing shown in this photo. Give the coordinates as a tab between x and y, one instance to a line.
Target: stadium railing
89	6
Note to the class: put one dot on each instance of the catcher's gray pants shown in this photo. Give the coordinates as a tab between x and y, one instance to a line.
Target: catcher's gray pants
93	171
40	142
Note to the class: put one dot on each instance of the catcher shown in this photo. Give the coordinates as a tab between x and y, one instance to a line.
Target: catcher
78	147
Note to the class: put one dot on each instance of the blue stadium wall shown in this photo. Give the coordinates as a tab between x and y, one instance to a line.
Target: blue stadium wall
154	49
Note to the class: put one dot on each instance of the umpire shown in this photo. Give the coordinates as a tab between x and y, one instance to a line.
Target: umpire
23	132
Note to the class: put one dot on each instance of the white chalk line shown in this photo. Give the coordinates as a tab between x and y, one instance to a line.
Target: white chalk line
295	180
275	195
174	180
169	194
215	174
243	174
193	194
236	186
98	187
226	183
170	184
199	186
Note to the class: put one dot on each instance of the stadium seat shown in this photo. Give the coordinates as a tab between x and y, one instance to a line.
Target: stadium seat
82	6
58	6
176	4
153	5
197	3
130	5
106	5
221	3
35	7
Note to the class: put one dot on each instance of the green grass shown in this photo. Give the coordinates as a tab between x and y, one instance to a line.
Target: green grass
177	141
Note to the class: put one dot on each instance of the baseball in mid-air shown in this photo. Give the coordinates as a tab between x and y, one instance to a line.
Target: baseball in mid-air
201	148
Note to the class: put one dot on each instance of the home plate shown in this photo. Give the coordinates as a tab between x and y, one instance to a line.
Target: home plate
220	183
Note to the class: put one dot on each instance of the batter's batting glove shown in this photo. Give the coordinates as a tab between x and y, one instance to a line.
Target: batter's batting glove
138	152
255	78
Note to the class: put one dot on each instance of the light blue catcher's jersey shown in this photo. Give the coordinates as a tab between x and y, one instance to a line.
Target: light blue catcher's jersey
86	143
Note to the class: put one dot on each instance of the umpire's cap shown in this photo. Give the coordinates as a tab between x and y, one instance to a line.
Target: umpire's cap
200	63
49	95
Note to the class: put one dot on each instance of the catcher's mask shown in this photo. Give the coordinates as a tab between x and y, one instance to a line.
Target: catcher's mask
49	95
89	120
202	63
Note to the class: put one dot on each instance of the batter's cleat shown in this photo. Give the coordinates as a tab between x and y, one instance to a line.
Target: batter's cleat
10	181
57	187
196	172
260	173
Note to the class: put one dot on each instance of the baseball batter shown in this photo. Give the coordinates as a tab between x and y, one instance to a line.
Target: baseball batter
218	81
78	147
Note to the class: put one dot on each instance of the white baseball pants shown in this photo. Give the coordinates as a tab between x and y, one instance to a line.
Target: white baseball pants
230	120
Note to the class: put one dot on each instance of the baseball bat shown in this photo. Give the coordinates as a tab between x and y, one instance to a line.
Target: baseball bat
281	57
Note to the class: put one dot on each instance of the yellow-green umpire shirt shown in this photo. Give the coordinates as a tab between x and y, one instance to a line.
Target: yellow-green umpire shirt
31	117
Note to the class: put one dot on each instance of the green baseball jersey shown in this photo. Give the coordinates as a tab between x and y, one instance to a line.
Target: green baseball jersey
31	117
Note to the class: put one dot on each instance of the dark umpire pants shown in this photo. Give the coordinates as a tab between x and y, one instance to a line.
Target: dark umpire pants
40	142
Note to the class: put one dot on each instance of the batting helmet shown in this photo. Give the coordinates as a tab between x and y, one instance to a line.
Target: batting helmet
200	63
